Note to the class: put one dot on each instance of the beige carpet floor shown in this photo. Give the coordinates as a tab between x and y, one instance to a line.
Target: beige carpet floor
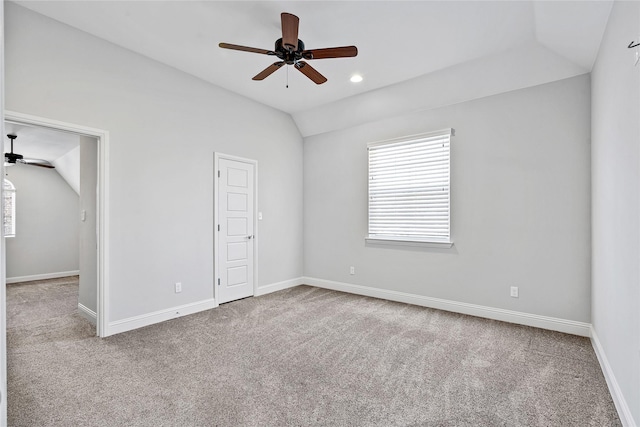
299	357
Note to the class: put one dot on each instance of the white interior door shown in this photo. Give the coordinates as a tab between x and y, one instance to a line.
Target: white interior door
235	254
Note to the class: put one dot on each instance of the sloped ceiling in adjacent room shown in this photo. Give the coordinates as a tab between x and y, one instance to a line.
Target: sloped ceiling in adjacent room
62	149
524	42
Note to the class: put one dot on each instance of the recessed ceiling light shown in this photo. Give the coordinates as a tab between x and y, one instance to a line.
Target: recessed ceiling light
356	78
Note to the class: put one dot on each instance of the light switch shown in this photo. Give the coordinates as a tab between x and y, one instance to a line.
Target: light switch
260	216
83	215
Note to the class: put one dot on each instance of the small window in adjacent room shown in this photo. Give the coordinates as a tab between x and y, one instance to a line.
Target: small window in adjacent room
409	198
9	208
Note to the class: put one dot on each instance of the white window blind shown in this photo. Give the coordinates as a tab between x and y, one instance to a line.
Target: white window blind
409	188
9	208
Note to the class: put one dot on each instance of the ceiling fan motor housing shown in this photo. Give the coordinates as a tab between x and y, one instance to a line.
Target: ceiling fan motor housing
289	56
12	157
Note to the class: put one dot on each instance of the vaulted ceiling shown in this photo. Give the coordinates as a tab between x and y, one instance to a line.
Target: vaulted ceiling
412	54
397	41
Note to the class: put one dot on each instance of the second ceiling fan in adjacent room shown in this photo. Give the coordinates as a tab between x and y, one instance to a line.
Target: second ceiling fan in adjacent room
12	158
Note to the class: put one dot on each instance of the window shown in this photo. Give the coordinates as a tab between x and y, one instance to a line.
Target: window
9	208
409	190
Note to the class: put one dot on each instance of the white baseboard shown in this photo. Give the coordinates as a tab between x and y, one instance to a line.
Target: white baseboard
89	314
544	322
614	389
33	277
273	287
143	320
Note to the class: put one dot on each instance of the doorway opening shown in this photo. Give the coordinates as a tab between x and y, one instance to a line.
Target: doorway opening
83	165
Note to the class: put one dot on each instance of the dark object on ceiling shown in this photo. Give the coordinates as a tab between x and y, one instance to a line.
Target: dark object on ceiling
290	50
13	158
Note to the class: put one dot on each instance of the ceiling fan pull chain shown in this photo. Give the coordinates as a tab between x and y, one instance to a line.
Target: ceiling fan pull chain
287	77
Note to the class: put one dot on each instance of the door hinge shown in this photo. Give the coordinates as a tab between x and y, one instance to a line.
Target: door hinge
218	282
218	174
218	227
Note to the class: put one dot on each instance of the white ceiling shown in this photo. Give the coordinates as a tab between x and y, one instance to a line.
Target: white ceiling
397	40
39	143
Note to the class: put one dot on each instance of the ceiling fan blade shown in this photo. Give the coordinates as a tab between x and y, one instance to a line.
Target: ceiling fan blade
289	30
311	72
268	71
36	162
245	48
331	52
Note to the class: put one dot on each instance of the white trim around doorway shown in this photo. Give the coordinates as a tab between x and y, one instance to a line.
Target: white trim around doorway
102	318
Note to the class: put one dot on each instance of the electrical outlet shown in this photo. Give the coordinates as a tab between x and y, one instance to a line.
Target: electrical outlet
178	287
352	270
514	291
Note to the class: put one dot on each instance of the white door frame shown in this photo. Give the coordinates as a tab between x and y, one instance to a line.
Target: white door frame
216	191
102	211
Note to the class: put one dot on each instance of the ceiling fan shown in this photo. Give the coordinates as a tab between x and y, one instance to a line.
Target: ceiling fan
290	50
13	158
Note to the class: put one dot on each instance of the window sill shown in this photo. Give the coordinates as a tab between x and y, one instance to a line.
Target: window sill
407	242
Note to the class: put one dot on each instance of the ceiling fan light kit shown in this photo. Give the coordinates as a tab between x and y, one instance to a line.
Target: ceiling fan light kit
291	51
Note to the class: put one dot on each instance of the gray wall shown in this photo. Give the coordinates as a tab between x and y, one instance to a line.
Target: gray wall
164	127
46	223
88	174
616	201
520	204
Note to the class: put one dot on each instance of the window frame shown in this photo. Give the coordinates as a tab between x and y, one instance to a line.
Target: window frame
399	240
